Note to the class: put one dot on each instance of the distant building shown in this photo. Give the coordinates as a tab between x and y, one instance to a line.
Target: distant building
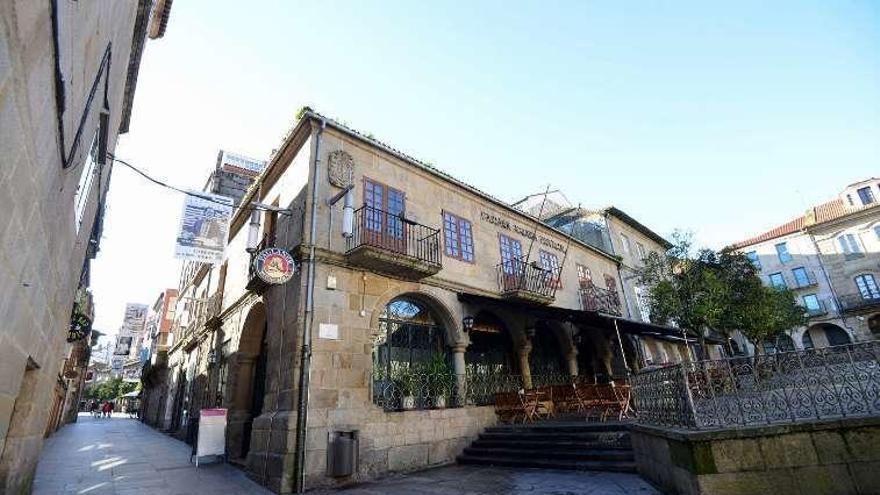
830	256
154	375
69	71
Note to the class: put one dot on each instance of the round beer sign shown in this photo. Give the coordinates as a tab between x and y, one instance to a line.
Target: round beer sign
274	265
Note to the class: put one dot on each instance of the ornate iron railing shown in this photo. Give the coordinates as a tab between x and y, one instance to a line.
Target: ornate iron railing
600	300
395	234
518	275
854	302
831	382
402	390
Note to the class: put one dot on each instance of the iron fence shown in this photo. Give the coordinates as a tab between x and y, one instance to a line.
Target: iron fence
403	390
831	382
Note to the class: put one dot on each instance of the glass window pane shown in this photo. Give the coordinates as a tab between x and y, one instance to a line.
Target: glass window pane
782	251
777	280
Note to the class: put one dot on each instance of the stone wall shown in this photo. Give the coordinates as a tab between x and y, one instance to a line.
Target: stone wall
41	249
827	457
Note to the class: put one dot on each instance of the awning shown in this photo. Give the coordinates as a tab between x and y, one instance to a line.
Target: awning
589	318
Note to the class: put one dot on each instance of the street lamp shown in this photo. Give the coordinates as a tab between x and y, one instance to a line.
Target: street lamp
467	324
530	332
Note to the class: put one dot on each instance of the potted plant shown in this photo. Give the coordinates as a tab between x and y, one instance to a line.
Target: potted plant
405	378
439	380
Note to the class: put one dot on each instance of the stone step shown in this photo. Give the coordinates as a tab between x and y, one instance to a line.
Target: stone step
552	445
557	436
567	427
608	455
568	464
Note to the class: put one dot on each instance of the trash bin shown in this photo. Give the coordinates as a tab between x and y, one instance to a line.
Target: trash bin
342	453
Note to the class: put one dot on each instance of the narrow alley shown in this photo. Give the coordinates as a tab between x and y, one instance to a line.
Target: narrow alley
123	456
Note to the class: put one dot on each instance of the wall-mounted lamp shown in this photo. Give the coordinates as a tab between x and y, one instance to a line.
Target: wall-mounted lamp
253	232
578	338
530	332
467	324
212	357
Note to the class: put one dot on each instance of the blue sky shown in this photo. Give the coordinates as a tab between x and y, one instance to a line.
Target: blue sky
720	118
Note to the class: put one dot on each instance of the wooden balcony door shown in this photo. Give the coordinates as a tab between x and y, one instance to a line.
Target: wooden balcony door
511	262
383	219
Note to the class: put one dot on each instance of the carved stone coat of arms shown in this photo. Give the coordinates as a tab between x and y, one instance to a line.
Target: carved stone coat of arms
340	168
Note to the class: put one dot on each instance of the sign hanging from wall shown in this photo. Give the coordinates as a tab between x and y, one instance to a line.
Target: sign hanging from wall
274	265
204	228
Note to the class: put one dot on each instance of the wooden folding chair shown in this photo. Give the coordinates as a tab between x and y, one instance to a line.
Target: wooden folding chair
508	407
536	405
588	394
607	400
624	401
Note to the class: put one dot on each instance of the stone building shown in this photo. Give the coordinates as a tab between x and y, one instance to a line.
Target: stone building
68	72
422	271
830	256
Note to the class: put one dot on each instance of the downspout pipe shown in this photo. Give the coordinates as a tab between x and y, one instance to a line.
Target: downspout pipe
309	316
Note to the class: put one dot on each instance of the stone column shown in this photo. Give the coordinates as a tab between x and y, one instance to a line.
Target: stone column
458	367
523	352
572	362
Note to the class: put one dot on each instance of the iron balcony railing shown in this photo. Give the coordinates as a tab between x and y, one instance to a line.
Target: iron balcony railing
600	300
854	302
516	275
831	382
394	234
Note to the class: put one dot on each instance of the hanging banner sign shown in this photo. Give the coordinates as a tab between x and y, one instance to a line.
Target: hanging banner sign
204	228
274	266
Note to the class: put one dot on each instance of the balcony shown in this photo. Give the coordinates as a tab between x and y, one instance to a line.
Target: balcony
858	302
527	282
600	300
213	308
255	283
389	243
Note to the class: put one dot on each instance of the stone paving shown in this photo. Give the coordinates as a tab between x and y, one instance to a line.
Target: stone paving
479	480
121	456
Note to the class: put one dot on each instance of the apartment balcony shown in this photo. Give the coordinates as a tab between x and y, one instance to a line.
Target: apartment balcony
213	308
858	302
527	282
600	300
389	243
255	283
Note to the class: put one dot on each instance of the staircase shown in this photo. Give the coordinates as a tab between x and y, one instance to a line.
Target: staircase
554	445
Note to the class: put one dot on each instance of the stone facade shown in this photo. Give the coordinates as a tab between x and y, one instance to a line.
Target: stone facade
825	251
839	457
52	189
239	343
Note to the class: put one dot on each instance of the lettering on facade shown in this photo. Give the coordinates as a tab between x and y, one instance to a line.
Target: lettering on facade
505	224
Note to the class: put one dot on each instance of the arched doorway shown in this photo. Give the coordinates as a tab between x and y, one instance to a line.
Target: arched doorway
874	325
491	347
546	360
836	335
824	335
408	348
248	381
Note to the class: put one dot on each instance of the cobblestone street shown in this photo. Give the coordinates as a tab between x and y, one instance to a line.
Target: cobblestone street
123	456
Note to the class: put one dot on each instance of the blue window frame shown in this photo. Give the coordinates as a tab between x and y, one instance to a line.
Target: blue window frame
867	286
801	276
866	195
777	280
782	252
753	257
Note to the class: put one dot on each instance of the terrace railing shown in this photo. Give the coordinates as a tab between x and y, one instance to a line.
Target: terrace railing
517	276
831	382
600	300
395	234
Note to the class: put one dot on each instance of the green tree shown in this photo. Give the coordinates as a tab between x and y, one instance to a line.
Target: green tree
771	312
703	289
109	390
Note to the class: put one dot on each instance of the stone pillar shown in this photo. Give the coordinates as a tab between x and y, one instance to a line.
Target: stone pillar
572	362
523	352
458	367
